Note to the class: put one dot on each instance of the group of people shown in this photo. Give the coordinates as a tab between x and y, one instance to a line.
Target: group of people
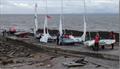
11	30
97	39
60	38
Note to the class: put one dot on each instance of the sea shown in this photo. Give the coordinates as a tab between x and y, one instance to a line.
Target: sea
95	22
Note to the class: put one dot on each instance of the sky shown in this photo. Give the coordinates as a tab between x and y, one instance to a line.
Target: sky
54	6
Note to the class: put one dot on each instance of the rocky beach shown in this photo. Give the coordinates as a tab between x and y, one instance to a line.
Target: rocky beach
18	55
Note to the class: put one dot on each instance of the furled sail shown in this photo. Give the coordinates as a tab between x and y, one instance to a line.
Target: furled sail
36	21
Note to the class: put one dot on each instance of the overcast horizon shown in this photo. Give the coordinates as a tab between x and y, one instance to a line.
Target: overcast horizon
54	6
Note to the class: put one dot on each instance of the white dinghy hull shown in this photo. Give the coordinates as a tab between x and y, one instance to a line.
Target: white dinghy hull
101	42
45	38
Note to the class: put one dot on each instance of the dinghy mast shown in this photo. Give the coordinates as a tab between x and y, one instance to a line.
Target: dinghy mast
45	26
36	21
45	29
61	19
84	19
45	36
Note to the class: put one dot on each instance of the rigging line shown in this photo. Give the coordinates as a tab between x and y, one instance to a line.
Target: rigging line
46	8
61	8
85	9
46	16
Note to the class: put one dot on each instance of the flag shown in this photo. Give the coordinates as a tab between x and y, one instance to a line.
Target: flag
49	17
12	29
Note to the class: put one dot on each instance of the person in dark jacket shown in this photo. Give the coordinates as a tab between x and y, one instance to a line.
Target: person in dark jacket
4	32
112	36
97	39
58	36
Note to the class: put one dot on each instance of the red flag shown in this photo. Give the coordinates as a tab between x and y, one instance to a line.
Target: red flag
12	29
49	17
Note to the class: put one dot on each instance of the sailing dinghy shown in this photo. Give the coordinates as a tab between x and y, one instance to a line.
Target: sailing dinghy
71	39
105	42
101	42
63	40
44	38
36	23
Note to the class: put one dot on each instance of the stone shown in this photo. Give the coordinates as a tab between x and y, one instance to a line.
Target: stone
10	50
5	62
49	65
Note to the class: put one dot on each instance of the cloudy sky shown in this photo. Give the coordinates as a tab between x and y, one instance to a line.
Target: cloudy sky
54	6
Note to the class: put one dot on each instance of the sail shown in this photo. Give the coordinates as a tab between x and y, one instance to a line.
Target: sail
45	26
60	26
35	18
46	35
61	17
84	20
84	32
44	38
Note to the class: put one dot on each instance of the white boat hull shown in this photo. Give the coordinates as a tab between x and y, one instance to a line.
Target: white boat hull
75	39
101	42
45	38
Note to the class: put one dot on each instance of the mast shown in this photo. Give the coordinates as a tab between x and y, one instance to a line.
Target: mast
45	22
47	17
61	19
89	36
36	21
45	30
84	19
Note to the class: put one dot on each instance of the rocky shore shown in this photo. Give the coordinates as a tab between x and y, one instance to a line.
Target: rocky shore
9	50
14	54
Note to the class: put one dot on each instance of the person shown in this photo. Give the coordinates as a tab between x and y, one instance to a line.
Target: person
97	39
58	35
61	39
112	36
4	32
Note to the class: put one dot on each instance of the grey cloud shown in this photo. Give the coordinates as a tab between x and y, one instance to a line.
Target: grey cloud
54	6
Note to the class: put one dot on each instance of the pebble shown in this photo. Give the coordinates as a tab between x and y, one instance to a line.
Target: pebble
8	50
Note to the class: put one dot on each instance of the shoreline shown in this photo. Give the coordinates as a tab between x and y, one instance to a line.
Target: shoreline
103	34
98	58
52	47
89	34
